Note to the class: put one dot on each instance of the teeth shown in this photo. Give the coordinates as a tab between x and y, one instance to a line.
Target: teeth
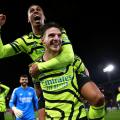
56	43
37	17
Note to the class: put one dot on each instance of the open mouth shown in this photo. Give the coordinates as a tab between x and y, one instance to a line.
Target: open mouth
37	18
54	43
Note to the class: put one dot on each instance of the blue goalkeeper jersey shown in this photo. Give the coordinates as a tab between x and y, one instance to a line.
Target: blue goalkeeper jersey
26	100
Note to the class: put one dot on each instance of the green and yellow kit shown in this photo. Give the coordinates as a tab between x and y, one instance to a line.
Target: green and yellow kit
3	94
61	91
31	45
118	97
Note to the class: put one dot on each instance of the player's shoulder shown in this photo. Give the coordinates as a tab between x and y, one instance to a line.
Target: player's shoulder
31	88
16	89
25	37
28	35
76	57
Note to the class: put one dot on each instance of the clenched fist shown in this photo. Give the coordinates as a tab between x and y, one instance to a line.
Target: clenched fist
2	19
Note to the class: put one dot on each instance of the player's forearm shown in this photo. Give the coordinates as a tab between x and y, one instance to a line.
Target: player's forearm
63	59
41	114
12	100
11	104
5	87
6	50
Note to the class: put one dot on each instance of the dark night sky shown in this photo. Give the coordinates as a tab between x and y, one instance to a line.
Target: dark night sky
94	38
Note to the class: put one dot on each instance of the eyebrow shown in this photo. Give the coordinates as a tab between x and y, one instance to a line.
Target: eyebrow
24	79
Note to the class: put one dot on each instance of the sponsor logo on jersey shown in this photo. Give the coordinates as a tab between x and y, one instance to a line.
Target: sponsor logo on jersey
56	83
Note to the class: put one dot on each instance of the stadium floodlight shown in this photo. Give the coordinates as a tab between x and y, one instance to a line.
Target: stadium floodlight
108	68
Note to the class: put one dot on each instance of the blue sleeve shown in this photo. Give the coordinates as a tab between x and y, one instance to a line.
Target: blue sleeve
12	99
35	100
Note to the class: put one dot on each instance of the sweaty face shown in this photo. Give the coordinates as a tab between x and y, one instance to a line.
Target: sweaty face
52	39
24	81
36	15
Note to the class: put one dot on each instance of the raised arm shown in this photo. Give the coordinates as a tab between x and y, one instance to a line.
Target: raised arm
5	50
6	88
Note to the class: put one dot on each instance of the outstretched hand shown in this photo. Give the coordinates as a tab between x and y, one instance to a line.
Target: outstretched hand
2	19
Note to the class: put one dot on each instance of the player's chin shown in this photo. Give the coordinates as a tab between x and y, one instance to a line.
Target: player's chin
56	49
24	83
36	23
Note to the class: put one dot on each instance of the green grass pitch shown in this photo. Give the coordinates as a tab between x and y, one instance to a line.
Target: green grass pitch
111	115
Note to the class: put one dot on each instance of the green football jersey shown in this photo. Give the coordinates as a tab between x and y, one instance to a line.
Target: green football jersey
61	92
31	45
2	98
118	97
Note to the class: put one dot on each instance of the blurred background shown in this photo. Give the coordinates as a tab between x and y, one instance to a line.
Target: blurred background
94	38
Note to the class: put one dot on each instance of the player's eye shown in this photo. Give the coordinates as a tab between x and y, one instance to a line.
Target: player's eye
24	79
51	35
59	35
38	9
31	10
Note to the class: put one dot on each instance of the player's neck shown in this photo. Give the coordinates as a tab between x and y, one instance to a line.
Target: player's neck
24	86
36	30
49	55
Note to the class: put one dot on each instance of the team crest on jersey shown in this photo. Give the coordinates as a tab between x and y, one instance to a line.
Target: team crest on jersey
21	94
29	93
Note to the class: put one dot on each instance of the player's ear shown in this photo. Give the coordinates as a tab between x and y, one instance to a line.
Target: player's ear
20	81
28	19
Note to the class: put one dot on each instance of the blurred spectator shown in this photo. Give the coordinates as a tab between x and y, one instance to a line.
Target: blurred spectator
3	93
118	98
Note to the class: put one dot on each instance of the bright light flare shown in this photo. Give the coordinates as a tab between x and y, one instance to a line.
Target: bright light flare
108	68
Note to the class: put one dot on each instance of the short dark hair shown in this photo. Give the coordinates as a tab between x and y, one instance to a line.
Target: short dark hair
34	5
24	75
49	25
